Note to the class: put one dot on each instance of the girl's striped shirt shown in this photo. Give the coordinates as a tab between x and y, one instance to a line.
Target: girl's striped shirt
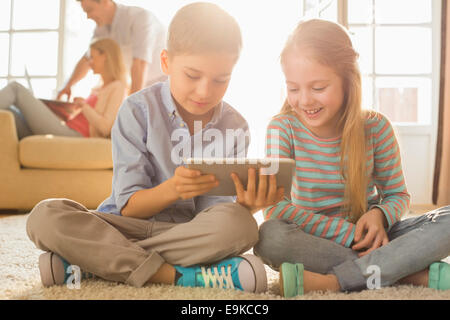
317	194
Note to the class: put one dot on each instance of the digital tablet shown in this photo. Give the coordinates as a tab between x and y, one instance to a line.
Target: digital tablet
223	167
58	103
64	110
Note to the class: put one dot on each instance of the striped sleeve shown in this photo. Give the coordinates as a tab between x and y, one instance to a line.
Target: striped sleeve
335	229
388	173
279	143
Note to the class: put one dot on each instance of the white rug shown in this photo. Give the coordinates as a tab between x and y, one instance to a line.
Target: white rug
19	279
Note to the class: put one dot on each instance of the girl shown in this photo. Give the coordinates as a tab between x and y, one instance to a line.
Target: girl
341	229
94	116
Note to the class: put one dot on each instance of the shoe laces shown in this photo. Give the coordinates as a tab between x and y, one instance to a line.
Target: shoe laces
222	278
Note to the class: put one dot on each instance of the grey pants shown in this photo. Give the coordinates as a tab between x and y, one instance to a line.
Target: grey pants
414	244
31	114
131	250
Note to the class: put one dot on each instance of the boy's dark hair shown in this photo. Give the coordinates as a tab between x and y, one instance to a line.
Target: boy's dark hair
203	27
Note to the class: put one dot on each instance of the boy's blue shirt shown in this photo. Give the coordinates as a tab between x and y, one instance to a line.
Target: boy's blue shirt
146	131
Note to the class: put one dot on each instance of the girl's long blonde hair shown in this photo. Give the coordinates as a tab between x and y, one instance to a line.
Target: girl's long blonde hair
329	44
114	63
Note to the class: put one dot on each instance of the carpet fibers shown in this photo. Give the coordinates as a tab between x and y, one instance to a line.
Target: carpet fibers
19	279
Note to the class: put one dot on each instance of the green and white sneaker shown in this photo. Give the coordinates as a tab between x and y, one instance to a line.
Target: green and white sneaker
55	270
291	279
439	276
245	273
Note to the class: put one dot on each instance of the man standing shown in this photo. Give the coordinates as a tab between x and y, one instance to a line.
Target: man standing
140	35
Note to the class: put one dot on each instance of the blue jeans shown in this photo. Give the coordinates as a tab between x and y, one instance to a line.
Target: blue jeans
414	244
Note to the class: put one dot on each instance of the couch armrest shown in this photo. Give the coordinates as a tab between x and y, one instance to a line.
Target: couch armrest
9	143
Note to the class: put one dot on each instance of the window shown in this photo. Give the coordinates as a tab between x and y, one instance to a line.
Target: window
397	64
323	9
395	40
31	41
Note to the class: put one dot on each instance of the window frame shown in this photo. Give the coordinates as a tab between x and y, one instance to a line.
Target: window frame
60	54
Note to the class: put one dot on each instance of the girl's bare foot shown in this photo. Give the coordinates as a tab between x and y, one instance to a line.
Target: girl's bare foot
319	282
418	279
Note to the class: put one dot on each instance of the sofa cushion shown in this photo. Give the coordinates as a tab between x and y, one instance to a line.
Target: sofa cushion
55	152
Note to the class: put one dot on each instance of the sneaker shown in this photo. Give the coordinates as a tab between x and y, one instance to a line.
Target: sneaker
291	279
245	273
439	276
55	270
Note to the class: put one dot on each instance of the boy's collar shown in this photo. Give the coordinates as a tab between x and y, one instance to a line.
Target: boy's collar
167	99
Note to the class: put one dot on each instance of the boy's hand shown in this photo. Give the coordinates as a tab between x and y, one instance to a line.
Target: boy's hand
371	224
255	200
187	183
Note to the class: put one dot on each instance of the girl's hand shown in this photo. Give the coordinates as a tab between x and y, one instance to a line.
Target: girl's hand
371	224
188	183
79	101
255	200
65	91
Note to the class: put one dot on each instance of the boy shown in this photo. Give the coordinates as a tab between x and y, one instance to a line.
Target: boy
156	227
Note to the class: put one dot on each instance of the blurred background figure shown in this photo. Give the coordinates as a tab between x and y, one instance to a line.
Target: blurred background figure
140	35
90	117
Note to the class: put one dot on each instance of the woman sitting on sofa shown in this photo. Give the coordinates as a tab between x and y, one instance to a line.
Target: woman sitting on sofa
90	117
